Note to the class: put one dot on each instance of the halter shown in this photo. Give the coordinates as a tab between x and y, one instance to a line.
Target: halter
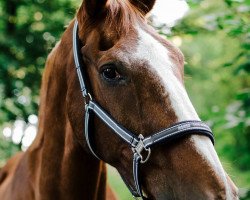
139	143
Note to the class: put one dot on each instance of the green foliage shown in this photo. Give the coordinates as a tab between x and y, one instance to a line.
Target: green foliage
7	149
118	185
247	196
29	30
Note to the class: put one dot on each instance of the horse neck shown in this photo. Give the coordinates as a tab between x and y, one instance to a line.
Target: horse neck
63	169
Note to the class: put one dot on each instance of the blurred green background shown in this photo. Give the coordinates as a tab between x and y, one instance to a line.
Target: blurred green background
214	37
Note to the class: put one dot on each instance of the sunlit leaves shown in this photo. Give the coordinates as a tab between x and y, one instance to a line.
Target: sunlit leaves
36	25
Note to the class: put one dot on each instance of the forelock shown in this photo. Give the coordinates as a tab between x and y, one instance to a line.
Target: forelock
121	15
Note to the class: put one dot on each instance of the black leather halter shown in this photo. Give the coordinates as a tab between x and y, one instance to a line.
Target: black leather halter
138	144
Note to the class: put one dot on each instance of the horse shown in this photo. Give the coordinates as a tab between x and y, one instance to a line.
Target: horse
137	77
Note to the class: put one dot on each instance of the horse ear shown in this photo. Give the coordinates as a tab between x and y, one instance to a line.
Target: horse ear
95	7
143	5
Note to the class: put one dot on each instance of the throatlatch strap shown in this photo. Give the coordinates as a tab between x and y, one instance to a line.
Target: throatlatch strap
136	162
88	116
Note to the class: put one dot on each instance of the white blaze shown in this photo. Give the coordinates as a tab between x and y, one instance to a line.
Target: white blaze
160	63
157	56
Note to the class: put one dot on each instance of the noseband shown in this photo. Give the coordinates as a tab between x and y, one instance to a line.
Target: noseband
138	144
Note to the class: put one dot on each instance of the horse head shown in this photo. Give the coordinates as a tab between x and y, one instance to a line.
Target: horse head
137	76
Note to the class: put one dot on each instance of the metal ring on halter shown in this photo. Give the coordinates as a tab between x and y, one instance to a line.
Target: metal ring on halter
88	98
140	147
146	159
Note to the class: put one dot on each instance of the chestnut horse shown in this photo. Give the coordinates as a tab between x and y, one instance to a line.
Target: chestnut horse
137	76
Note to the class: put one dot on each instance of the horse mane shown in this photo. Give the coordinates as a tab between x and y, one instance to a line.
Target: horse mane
119	16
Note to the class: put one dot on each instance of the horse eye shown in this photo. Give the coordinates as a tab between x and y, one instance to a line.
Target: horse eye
110	73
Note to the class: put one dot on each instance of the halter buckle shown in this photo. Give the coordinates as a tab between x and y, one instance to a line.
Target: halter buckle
139	149
88	98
